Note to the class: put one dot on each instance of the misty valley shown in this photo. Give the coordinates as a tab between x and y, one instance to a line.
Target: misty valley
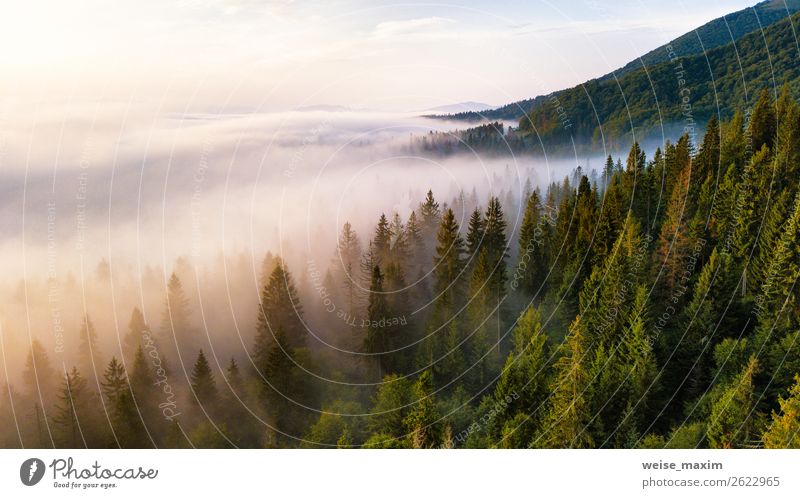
645	302
198	250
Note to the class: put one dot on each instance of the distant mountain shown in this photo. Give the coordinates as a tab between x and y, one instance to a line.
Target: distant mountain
719	32
458	108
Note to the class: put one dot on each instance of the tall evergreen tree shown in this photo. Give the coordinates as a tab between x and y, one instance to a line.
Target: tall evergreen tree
422	422
567	416
378	339
533	255
763	122
202	381
784	431
88	348
731	420
71	419
346	265
280	308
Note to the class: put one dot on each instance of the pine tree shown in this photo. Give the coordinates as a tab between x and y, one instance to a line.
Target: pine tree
674	244
448	263
496	245
707	163
784	431
423	421
483	352
523	387
416	243
532	254
346	264
382	242
241	428
286	391
202	381
399	242
443	344
566	418
268	265
280	308
638	366
39	376
731	420
88	346
474	234
176	327
115	382
123	415
586	218
430	213
133	339
748	213
377	341
733	145
71	419
144	392
763	122
393	402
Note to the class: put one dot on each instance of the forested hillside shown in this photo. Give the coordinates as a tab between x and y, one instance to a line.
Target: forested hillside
652	304
716	33
680	88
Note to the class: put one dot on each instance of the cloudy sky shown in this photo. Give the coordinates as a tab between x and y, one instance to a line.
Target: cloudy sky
245	55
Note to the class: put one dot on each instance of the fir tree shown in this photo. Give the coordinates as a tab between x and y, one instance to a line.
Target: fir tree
377	340
422	422
133	339
566	418
39	376
346	264
176	327
280	308
784	431
71	419
533	256
731	421
474	233
88	348
202	381
763	122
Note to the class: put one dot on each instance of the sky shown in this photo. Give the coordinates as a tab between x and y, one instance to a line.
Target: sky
213	56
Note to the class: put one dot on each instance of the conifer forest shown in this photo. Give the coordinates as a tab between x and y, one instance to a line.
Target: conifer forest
613	265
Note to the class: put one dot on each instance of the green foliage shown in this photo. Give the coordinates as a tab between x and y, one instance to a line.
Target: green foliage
731	421
784	431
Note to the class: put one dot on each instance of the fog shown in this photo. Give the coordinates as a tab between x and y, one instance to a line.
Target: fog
100	204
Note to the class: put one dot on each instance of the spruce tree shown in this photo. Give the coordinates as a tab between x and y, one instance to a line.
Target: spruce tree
279	308
71	418
784	431
763	122
39	377
202	381
533	255
377	341
176	329
731	421
474	234
346	265
430	216
422	423
133	338
567	414
88	348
